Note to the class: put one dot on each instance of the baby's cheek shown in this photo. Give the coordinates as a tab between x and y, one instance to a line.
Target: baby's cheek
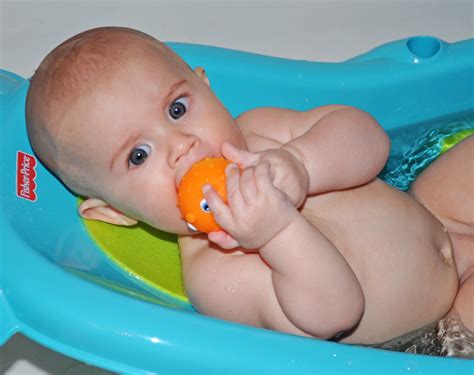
152	198
163	218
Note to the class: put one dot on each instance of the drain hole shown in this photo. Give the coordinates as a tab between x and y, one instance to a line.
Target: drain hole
424	46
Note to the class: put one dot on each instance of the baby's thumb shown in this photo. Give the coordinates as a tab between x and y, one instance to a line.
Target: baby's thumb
241	157
223	239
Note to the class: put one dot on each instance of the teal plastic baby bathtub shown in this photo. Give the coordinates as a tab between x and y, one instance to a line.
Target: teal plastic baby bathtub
45	248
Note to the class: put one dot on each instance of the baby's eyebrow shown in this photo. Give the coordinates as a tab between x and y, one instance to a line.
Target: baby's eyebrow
125	146
133	138
172	90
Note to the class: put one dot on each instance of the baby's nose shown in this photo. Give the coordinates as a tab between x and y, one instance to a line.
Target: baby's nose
181	146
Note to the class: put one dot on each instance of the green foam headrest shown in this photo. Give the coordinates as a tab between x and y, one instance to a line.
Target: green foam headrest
143	251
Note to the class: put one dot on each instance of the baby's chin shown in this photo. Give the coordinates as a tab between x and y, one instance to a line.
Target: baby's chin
186	232
179	228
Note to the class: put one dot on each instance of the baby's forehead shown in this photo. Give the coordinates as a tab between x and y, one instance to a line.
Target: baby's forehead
121	74
101	60
154	69
126	78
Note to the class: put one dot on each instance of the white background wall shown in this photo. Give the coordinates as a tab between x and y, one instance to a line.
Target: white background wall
321	30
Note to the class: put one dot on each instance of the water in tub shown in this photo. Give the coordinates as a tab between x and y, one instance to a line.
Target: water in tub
414	147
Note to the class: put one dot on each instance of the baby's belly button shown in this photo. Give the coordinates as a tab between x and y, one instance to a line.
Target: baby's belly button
446	250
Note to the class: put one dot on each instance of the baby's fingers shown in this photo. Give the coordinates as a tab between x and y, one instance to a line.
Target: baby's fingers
262	177
223	239
221	212
241	157
247	185
234	195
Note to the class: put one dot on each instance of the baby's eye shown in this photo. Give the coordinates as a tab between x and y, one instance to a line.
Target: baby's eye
178	107
139	154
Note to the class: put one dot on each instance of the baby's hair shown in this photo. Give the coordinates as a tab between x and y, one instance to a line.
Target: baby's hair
74	68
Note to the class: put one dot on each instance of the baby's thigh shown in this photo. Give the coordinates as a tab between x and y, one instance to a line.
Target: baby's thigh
446	187
464	303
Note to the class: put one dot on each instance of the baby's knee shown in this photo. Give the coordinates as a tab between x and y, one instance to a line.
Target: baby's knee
464	302
446	186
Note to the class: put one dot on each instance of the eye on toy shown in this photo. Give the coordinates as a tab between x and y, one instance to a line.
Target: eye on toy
191	202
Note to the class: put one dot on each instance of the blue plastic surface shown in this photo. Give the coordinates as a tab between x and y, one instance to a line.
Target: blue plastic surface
44	247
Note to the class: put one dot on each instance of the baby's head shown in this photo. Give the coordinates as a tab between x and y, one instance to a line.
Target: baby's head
119	118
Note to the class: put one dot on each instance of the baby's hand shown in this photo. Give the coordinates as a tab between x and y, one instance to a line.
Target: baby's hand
288	173
256	212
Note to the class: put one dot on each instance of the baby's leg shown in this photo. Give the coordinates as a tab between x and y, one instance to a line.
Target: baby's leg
455	333
446	188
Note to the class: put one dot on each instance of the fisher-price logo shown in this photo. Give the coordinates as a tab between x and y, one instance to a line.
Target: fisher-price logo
25	176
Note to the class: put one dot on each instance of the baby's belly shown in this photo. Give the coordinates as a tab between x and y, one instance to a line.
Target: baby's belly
400	253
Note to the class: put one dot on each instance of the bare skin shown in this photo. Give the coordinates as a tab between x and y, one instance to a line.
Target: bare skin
446	188
314	244
399	252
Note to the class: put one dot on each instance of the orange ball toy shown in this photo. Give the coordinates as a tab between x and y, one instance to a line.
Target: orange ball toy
191	202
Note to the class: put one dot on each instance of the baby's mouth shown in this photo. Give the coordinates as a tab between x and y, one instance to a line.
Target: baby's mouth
187	163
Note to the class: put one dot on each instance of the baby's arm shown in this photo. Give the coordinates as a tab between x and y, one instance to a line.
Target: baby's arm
339	146
315	286
316	289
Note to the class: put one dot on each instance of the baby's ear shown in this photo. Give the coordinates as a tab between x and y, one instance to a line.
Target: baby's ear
96	209
201	73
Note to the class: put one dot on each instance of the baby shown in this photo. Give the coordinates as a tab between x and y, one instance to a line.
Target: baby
313	243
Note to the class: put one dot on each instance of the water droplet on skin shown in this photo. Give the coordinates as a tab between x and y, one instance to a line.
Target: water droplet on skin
232	288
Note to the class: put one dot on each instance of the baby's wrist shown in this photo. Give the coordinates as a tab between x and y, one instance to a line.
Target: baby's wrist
283	232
